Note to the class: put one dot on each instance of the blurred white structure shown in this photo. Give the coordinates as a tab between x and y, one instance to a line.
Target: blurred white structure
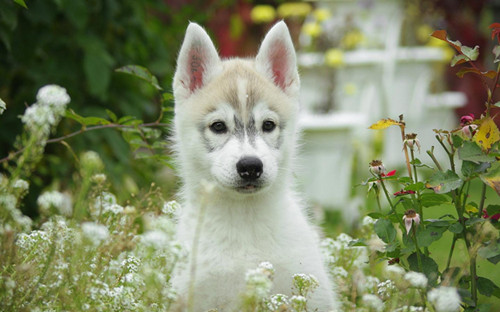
369	85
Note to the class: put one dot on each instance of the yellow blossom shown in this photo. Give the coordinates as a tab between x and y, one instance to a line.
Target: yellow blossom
350	89
352	39
423	33
298	9
312	29
322	14
334	57
263	14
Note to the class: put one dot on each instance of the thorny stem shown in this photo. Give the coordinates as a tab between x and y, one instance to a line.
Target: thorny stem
83	130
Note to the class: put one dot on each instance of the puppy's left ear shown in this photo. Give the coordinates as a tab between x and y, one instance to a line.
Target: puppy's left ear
276	59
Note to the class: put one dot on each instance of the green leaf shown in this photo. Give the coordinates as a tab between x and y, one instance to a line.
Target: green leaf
493	209
72	115
456	228
141	73
474	220
492	177
444	182
496	52
472	152
97	65
487	287
432	199
427	236
430	267
92	121
497	104
470	168
166	97
111	115
385	230
415	187
457	141
21	3
471	53
490	251
458	59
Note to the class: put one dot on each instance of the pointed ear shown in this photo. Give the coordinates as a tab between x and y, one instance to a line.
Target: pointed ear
198	62
277	61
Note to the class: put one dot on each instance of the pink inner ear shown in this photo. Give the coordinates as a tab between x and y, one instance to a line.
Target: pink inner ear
278	57
195	68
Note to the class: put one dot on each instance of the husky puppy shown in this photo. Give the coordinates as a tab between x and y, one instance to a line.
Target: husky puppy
235	136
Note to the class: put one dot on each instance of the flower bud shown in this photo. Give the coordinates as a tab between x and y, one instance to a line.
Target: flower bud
377	167
411	141
410	217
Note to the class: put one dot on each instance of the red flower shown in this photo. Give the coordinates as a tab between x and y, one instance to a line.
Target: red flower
495	31
403	192
466	119
495	217
389	174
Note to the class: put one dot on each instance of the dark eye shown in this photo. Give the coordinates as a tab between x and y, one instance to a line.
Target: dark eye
268	126
218	127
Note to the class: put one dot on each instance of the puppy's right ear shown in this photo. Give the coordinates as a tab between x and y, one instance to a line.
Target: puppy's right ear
198	62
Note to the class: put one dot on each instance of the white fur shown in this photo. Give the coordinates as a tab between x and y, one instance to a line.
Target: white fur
227	231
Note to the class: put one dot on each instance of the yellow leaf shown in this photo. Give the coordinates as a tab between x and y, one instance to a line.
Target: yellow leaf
471	209
487	134
384	123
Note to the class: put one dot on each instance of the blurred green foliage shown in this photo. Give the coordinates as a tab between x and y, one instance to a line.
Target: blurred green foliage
78	45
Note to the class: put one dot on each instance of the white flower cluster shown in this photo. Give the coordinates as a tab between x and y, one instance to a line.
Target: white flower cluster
416	279
95	233
47	111
105	203
373	302
170	208
53	199
444	299
21	185
259	281
305	283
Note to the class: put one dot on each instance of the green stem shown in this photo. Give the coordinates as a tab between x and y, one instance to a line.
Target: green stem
431	155
450	255
414	237
481	204
450	154
387	194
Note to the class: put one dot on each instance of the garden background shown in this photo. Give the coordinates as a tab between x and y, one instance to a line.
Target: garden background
86	46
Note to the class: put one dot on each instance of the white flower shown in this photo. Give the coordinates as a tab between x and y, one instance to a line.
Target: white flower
259	281
386	288
39	118
299	303
91	161
156	239
368	221
278	302
21	184
99	178
3	106
170	208
444	299
58	200
95	232
53	95
373	302
416	279
339	272
396	269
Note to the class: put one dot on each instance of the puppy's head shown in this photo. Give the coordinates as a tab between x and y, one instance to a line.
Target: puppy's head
235	119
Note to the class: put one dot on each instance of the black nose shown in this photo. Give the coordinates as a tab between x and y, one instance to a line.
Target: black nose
249	168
